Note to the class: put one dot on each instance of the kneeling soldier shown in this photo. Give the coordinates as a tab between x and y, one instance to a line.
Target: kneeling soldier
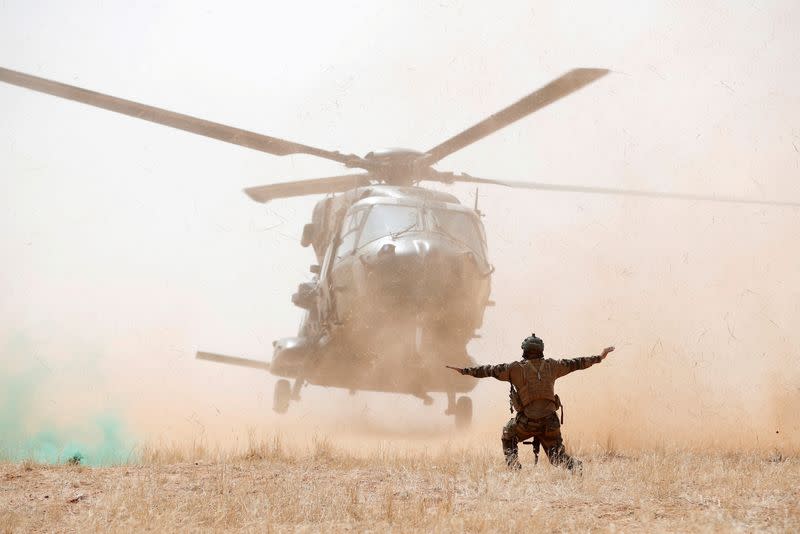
534	398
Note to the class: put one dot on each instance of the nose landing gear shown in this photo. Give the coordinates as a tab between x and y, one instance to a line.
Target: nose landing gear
284	393
281	396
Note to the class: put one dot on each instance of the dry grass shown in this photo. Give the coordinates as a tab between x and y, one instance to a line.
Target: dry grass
270	486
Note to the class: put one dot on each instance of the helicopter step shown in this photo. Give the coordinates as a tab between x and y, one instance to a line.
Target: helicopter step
427	400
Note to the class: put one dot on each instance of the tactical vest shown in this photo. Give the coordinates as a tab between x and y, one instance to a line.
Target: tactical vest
538	380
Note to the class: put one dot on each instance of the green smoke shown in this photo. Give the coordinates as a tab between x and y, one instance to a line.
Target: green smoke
64	431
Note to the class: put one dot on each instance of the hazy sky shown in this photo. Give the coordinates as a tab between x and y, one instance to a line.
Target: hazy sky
133	241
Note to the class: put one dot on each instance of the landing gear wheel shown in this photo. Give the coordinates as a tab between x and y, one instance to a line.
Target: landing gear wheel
283	392
463	412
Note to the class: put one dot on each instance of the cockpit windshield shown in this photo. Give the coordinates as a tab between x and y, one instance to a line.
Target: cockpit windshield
394	220
458	225
386	219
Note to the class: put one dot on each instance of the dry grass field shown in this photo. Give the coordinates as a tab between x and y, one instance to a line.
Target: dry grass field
271	486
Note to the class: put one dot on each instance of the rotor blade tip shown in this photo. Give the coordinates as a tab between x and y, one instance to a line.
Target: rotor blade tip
591	72
251	192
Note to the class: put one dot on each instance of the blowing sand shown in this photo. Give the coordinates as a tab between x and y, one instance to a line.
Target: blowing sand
127	247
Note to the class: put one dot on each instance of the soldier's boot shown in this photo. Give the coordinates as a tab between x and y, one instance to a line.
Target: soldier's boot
512	453
558	456
575	466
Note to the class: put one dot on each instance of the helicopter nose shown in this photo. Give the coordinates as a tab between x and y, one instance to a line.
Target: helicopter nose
428	270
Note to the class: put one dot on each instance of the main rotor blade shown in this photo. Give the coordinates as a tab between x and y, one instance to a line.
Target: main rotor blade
314	186
558	88
228	134
450	178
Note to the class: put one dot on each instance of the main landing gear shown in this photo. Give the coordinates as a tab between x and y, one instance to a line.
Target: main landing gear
285	393
460	409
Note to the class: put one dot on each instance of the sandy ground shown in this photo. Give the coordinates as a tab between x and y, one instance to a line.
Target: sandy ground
268	488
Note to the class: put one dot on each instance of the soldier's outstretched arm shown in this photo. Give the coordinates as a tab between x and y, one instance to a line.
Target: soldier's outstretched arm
576	364
500	371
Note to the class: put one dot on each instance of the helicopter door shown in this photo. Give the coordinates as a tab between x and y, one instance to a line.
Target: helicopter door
326	297
344	264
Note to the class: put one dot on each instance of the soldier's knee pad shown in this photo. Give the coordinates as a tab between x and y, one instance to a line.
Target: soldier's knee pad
508	431
509	444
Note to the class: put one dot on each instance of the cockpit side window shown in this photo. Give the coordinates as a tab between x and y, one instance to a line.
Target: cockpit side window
349	233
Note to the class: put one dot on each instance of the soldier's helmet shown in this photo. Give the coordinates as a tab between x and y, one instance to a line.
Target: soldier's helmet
532	347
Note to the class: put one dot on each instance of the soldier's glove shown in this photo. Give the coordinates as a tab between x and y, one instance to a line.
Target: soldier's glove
457	369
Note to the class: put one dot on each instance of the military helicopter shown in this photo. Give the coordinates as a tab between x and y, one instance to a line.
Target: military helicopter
402	276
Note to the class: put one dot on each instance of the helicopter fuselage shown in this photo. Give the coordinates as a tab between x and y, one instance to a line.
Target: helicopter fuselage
402	284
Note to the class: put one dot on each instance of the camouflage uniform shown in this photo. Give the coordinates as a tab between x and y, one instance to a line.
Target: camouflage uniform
534	381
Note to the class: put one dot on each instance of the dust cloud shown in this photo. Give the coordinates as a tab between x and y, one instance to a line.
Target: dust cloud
126	246
702	313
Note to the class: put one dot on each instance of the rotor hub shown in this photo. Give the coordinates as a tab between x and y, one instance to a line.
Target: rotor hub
397	166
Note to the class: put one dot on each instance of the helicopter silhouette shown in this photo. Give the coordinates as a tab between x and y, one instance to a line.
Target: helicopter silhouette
402	276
